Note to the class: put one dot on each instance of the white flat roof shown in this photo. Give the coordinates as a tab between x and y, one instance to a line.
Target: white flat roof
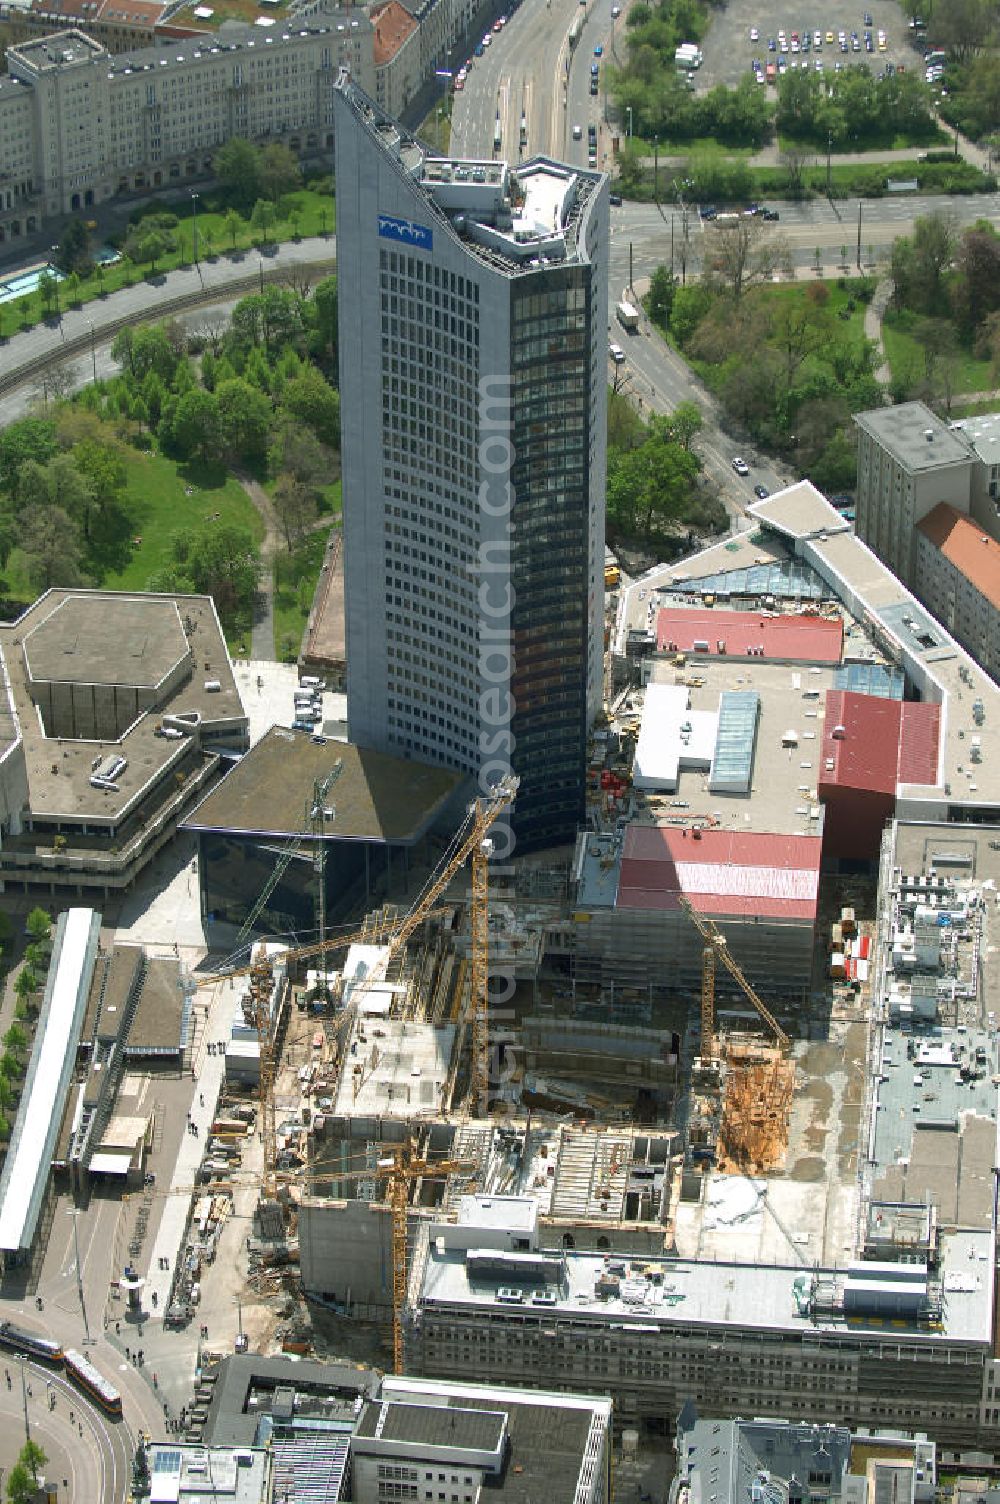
48	1077
111	1164
672	737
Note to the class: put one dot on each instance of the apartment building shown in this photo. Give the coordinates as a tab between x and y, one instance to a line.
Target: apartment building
957	576
472	336
79	125
908	462
397	56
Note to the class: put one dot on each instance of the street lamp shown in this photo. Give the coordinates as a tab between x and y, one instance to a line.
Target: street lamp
628	111
194	210
93	350
829	178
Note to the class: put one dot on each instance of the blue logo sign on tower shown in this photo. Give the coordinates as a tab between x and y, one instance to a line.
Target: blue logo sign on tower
406	231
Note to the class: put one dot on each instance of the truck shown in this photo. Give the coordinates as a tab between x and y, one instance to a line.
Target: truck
688	55
628	316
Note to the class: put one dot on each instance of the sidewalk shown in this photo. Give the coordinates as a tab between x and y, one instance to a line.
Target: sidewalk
873	328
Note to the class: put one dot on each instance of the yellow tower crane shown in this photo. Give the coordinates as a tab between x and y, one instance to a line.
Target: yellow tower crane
470	840
717	949
399	1165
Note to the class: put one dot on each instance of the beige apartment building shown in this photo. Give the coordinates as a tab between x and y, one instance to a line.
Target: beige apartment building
957	576
80	125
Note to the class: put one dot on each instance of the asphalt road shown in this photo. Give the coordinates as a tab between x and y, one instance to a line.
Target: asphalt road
89	1457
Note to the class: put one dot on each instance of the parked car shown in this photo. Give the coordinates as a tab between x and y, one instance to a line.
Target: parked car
770	214
761	493
615	200
740	466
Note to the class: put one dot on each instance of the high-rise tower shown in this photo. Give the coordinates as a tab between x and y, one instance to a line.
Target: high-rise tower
473	316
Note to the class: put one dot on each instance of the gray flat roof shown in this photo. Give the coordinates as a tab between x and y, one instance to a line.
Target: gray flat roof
432	1425
983	432
376	797
753	1297
29	1157
229	1421
550	1435
118	639
59	768
902	431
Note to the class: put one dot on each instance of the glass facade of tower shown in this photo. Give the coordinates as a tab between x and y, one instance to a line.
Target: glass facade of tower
429	366
552	434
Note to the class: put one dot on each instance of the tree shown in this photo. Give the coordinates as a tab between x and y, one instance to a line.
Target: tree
51	544
684	422
743	253
278	172
324	304
244	420
662	288
15	1040
26	982
22	1481
296	451
964	26
977	284
221	562
237	167
234	224
295	508
194	427
652	482
10	1066
56	484
48	291
146	348
311	399
795	161
6	1099
919	263
73	251
28	439
263	218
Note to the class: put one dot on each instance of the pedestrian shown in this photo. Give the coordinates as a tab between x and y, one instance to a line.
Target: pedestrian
118	1328
128	1355
201	1099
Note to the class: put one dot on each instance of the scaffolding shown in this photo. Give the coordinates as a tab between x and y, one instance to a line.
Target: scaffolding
753	1135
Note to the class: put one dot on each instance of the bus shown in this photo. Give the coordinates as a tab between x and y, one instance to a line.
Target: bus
497	137
86	1377
577	28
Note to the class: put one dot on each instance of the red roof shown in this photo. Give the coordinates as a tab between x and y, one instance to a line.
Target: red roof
965	545
883	743
393	26
721	872
791	639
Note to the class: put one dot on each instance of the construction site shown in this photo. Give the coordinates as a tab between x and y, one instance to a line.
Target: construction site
593	1115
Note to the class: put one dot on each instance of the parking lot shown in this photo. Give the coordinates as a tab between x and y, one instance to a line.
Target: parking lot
729	51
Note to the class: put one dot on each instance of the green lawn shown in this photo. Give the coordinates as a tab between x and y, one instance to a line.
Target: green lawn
852	327
906	357
160	505
308	211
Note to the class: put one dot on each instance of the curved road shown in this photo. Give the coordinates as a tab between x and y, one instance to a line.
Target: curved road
89	1457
